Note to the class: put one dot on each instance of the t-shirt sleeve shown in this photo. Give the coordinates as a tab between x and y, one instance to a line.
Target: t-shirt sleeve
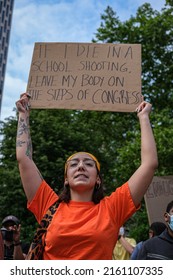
121	204
42	200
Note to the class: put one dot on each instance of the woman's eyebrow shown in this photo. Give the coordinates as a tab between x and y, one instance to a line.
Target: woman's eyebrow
76	159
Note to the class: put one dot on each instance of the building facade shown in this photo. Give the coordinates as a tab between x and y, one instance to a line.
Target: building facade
6	11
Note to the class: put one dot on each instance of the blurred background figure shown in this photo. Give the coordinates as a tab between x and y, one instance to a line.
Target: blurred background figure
1	247
155	229
124	246
13	247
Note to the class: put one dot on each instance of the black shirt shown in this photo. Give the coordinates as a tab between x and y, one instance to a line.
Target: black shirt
157	248
9	250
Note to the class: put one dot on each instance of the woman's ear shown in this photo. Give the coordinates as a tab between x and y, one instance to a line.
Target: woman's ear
98	181
65	182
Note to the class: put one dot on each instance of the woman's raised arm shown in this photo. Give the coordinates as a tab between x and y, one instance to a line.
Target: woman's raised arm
30	176
141	179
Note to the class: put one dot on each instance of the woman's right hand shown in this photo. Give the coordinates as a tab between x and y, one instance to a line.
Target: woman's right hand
22	104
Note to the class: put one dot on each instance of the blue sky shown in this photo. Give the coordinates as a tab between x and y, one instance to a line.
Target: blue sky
53	21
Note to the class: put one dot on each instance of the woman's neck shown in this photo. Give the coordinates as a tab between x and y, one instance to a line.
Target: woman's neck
82	196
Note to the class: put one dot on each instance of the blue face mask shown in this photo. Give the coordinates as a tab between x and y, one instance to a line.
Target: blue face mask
171	222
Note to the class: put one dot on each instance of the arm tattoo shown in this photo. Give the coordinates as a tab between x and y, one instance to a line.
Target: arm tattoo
19	143
29	149
23	128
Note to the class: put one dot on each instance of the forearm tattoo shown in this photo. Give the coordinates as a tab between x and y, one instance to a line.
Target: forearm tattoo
23	128
29	149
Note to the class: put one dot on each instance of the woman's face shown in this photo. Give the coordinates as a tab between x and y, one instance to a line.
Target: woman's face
82	172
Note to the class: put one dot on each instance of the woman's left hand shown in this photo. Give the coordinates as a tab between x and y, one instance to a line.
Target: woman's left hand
144	108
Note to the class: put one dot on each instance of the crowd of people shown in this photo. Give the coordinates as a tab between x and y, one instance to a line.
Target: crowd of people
155	229
160	247
83	217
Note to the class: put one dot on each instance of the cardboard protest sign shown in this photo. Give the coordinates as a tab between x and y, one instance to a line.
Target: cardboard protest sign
159	194
86	76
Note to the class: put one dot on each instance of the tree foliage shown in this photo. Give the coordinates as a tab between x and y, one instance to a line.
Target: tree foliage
113	137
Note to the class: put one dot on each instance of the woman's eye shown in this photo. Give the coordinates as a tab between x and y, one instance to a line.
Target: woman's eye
73	164
89	164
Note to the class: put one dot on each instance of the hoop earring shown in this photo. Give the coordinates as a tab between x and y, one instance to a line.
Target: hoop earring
66	185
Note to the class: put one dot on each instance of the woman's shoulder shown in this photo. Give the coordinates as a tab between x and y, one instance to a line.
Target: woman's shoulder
43	199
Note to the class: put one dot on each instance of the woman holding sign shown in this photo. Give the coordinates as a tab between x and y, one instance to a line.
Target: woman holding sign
84	219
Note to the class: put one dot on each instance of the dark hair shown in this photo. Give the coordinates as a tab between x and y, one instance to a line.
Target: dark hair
98	193
157	228
169	206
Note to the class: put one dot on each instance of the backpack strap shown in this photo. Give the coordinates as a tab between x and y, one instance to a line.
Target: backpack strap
37	246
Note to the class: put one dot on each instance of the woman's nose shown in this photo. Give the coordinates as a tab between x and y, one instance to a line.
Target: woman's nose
81	164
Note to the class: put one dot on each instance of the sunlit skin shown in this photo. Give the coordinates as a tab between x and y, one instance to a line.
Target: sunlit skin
81	176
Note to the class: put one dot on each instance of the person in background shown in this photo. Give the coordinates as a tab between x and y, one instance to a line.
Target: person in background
124	246
86	224
10	231
160	247
155	229
1	247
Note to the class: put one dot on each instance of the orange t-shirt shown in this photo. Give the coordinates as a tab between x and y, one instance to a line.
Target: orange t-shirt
82	230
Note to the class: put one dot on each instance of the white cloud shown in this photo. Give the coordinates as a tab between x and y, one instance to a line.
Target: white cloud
14	86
